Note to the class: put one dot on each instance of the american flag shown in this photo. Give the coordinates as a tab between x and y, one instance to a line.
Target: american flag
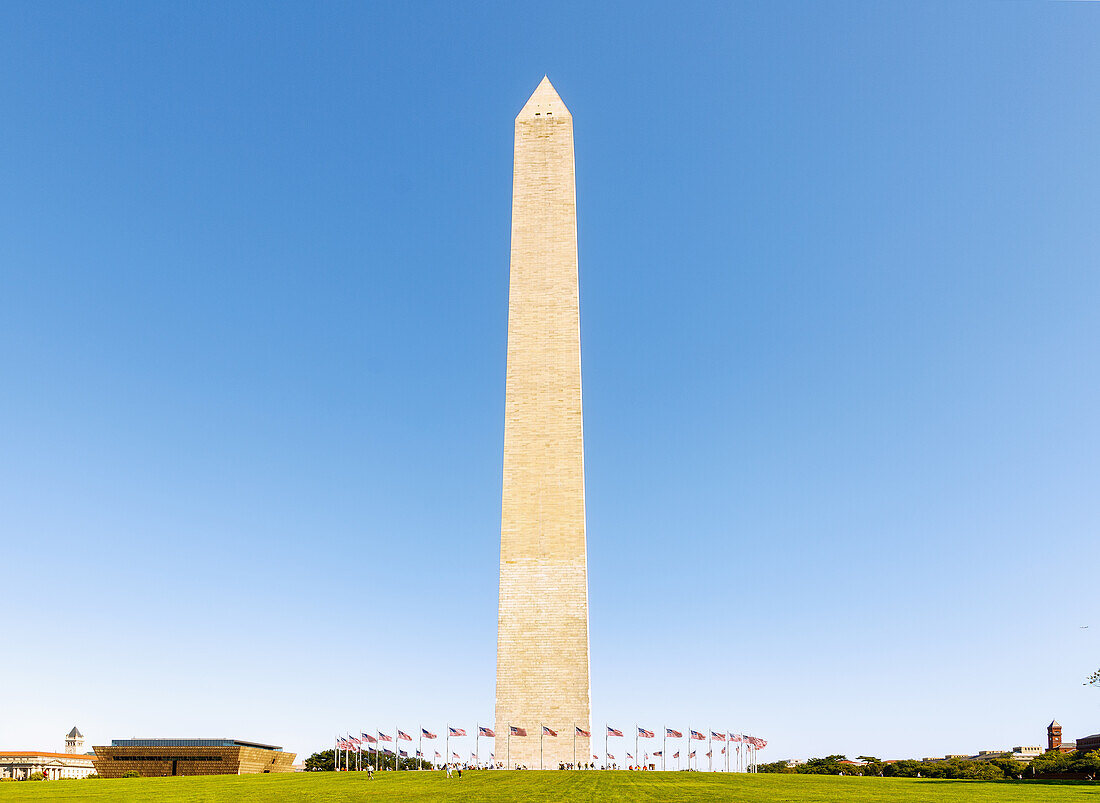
723	751
405	736
437	754
710	753
419	754
658	753
456	731
736	737
676	754
697	735
583	733
455	756
483	731
613	732
718	737
673	734
403	754
547	732
644	733
368	738
353	740
518	731
629	757
691	754
611	756
383	737
595	757
387	751
427	734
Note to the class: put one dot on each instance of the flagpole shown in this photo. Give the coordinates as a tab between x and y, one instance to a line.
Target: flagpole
447	758
710	751
542	732
420	750
396	749
605	745
477	739
574	745
664	748
508	748
635	741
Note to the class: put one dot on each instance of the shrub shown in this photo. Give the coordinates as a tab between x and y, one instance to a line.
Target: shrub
131	774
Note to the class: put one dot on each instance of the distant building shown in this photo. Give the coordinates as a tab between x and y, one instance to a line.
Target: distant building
22	764
74	741
1089	743
1054	739
156	757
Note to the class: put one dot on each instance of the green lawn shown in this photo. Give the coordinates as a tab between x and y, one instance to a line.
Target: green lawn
670	787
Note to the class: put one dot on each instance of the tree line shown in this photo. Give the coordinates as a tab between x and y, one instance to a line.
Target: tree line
1086	765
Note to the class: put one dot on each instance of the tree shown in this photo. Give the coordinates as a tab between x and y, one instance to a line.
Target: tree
322	761
830	765
1050	762
775	766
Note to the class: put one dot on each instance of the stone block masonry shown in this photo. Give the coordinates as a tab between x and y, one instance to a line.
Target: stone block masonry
542	641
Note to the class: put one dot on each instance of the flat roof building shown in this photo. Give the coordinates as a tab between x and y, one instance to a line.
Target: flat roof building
1087	744
156	757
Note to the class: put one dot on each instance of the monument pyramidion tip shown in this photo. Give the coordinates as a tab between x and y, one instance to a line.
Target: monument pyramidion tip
544	102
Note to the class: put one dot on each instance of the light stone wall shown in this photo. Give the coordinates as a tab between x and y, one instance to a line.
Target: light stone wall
542	642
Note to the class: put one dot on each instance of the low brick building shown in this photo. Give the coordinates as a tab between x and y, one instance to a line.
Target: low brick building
1089	743
156	757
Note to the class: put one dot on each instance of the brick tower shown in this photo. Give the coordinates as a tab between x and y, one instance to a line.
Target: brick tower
542	629
1054	735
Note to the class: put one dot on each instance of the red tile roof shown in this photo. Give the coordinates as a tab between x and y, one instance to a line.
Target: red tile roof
41	754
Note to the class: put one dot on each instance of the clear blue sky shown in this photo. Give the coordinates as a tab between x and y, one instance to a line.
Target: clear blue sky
839	299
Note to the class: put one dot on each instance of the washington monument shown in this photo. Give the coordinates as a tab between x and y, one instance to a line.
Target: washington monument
542	631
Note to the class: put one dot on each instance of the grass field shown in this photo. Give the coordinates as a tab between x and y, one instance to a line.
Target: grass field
543	786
